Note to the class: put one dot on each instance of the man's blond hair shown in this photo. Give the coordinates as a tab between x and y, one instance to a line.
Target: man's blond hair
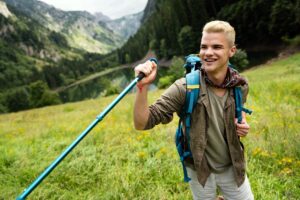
221	27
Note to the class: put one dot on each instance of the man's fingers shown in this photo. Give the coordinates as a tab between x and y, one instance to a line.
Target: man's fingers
145	68
149	68
141	68
241	133
154	65
242	129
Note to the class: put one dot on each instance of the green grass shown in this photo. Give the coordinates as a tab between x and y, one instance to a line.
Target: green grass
117	162
273	151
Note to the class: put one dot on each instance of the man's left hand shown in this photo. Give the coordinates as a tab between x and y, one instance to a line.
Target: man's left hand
243	128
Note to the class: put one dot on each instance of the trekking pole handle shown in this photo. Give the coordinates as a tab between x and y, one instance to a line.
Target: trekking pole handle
141	75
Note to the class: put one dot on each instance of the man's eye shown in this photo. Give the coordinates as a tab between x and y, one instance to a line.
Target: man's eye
203	47
217	47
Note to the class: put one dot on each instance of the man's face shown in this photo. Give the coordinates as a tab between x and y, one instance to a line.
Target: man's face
215	52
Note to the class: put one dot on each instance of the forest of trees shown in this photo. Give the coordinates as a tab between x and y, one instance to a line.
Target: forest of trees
175	26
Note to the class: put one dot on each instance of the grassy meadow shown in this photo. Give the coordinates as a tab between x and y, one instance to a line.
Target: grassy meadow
117	162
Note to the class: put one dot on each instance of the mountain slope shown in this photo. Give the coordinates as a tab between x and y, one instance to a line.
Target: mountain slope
81	29
4	10
23	39
126	26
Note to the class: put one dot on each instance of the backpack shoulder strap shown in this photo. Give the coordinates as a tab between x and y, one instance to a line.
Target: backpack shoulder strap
239	104
238	95
192	90
192	93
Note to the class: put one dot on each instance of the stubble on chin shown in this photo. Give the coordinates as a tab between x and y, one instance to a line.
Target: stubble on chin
208	68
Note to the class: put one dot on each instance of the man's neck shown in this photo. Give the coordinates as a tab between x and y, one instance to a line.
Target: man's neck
217	77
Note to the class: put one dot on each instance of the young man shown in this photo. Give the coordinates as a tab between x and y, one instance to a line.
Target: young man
218	157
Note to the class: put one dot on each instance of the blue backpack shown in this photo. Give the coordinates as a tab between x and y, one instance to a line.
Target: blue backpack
192	66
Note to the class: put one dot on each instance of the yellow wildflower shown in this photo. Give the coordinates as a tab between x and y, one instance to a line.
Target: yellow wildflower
285	161
140	137
141	154
129	140
163	150
273	154
286	171
145	134
256	151
264	154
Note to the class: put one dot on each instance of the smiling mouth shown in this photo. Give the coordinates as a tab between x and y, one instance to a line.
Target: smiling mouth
209	60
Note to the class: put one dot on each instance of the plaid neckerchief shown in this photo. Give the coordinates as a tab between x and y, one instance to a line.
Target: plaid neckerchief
232	79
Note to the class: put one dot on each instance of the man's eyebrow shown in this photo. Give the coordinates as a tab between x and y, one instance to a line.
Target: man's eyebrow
218	45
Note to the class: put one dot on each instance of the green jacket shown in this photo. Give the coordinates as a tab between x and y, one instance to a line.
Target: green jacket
173	99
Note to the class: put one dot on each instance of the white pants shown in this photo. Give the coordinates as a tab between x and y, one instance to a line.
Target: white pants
224	181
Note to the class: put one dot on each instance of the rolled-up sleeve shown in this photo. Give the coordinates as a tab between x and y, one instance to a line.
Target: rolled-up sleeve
172	100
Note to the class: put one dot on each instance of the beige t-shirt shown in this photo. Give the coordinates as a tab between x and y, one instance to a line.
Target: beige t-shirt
216	151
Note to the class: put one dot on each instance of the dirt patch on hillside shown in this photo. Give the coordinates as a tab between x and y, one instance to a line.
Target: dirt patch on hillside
284	53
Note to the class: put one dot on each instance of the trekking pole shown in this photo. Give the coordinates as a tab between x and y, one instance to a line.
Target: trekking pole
47	171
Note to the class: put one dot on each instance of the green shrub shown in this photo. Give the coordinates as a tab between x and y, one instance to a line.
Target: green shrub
40	95
165	81
37	89
18	99
48	98
186	39
175	72
295	41
3	109
112	90
176	69
240	60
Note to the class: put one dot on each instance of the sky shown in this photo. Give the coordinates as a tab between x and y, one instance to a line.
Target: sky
111	8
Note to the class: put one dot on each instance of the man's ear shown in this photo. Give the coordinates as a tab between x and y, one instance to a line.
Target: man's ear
232	51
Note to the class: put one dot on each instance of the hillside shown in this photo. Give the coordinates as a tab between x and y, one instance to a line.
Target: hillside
81	29
25	46
27	50
4	10
43	48
126	26
139	163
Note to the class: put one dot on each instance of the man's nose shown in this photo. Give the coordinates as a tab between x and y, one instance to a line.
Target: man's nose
209	51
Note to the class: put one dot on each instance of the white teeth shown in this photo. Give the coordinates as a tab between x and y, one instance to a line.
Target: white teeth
209	60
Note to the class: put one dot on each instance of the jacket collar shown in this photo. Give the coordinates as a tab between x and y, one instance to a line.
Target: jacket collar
203	96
